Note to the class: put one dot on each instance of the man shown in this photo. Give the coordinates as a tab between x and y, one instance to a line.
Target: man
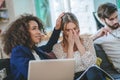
109	36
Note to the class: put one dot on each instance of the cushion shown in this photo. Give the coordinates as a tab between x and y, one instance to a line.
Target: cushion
5	63
99	61
3	73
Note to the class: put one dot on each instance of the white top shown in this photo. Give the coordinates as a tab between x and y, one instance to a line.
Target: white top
111	46
81	62
36	56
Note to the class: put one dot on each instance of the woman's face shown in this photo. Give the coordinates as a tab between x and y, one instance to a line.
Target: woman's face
70	26
35	33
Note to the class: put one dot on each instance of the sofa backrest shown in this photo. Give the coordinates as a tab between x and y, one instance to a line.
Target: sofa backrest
5	63
106	65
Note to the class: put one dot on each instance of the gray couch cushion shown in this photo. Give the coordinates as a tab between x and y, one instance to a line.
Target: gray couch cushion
5	64
3	73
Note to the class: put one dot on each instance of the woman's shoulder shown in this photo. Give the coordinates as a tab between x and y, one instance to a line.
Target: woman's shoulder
86	36
20	48
87	39
57	44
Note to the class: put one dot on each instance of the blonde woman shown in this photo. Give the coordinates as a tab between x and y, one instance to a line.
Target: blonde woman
78	47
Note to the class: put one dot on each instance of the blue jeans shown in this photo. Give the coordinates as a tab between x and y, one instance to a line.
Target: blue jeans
95	74
92	73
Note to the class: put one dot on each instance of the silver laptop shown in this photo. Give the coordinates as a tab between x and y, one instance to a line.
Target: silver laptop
54	69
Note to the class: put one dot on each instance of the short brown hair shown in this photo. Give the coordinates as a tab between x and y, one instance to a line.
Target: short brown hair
106	10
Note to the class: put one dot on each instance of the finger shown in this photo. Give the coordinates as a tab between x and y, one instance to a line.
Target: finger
61	15
74	32
105	32
78	31
70	32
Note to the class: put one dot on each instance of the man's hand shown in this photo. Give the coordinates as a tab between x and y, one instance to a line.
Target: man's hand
100	33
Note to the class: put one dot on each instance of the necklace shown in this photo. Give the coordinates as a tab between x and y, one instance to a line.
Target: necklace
115	35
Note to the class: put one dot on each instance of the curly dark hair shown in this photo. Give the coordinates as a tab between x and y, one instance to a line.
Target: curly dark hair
18	33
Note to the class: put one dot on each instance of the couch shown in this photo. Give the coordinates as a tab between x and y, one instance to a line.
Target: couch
5	63
106	64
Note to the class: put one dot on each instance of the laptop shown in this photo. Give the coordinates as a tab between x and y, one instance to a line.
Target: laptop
54	69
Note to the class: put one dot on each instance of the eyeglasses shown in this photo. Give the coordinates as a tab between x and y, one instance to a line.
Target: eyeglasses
118	37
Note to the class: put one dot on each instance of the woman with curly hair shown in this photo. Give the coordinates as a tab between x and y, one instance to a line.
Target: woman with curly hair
20	43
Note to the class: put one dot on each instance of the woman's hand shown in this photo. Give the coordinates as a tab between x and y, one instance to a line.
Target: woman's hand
70	40
58	21
76	36
78	42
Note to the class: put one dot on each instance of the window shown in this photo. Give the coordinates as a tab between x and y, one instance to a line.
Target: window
118	5
83	9
43	11
3	12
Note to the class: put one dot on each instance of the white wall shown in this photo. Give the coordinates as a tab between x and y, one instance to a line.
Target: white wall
81	8
23	6
16	8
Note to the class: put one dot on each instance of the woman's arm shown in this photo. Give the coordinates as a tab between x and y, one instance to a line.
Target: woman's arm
19	61
89	57
54	37
78	42
70	40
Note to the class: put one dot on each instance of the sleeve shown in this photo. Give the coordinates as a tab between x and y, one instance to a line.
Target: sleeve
19	61
89	57
53	39
58	52
99	40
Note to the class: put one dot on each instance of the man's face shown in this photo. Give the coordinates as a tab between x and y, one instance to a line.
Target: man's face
112	22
